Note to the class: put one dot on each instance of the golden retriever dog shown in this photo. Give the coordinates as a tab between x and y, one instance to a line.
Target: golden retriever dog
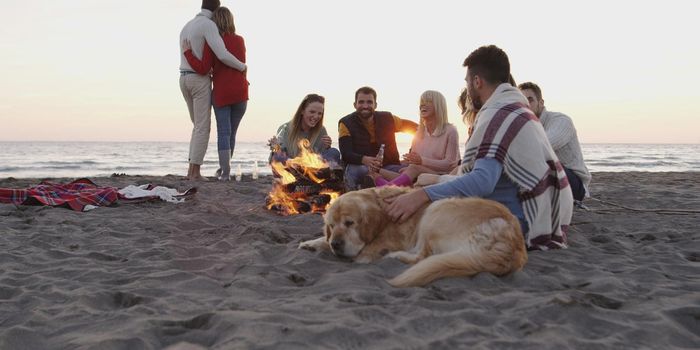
447	238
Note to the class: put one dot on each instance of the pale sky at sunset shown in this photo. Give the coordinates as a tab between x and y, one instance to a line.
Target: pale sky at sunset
107	70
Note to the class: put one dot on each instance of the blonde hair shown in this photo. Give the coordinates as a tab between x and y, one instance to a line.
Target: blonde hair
440	107
295	130
223	19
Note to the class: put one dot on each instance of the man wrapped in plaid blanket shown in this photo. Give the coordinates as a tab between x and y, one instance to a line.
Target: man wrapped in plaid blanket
507	159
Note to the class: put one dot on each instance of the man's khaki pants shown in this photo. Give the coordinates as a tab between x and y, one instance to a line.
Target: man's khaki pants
196	89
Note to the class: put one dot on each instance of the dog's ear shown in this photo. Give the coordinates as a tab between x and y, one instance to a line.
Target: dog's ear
372	221
327	216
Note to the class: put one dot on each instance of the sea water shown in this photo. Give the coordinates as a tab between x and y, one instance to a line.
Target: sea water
96	159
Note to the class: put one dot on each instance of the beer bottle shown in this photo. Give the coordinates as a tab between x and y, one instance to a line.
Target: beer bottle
380	154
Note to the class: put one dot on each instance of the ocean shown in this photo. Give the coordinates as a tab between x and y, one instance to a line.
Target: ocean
98	159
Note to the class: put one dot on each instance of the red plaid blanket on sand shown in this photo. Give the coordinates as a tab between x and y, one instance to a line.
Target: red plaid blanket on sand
74	195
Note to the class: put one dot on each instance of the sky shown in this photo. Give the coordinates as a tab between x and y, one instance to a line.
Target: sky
107	70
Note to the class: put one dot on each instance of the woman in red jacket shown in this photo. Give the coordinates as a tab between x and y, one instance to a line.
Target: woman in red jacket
230	92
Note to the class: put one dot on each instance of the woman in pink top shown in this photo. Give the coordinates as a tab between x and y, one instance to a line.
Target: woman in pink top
435	147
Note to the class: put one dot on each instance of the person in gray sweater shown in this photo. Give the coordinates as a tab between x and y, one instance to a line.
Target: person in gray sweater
307	123
563	138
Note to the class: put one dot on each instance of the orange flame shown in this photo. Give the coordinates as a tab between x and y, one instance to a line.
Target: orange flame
307	163
279	168
282	200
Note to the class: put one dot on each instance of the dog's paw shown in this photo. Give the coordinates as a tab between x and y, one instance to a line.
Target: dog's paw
392	255
314	244
308	245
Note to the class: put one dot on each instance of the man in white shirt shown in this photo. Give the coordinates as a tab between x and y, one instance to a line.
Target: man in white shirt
561	134
196	89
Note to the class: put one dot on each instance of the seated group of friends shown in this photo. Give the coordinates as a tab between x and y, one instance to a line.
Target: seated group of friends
435	146
517	153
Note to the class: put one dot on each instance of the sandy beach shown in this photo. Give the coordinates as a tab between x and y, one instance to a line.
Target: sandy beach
221	272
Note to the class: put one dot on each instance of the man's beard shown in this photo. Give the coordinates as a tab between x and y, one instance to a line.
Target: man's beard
476	101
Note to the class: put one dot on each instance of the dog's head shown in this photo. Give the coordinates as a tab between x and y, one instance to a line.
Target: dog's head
355	219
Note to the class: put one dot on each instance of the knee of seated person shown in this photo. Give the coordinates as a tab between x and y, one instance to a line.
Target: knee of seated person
353	175
331	155
353	171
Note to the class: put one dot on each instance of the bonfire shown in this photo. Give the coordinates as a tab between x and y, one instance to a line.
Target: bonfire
304	184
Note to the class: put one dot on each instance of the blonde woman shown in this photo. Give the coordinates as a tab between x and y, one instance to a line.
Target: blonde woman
435	147
307	123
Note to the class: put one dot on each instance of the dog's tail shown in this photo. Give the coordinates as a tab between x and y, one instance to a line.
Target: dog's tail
451	264
458	263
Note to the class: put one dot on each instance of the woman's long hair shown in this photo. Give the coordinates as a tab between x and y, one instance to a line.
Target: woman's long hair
294	135
468	112
223	19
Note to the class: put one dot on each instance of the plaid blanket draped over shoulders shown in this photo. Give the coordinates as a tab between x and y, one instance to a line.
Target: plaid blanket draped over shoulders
509	132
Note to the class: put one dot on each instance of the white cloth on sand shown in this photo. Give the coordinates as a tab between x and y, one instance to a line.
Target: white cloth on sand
164	193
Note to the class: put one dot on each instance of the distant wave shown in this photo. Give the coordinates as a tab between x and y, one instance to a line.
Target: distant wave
633	164
82	161
123	168
617	157
61	167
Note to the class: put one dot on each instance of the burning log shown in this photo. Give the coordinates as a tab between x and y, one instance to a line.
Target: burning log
304	184
298	207
313	174
314	203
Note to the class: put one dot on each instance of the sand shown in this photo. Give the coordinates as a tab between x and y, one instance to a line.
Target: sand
221	272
